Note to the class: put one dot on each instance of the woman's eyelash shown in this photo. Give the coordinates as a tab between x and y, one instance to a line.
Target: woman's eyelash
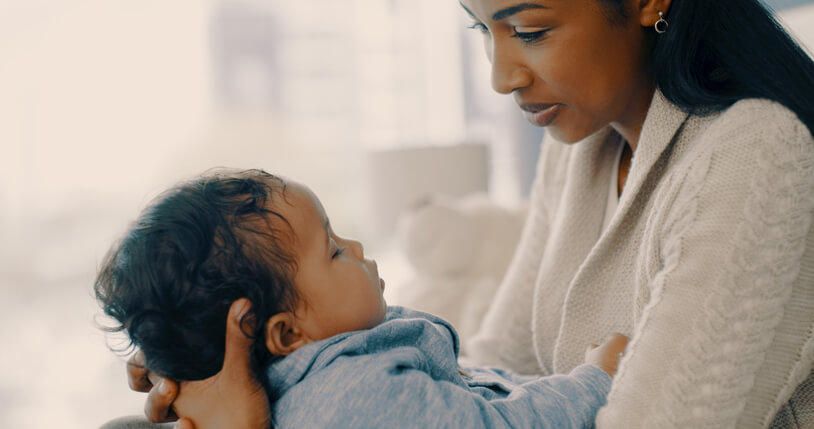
525	36
479	27
530	36
337	252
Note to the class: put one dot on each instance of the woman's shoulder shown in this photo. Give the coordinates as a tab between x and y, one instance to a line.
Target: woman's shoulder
752	135
758	120
756	151
761	108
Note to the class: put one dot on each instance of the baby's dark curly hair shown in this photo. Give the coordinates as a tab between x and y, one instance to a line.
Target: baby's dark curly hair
198	247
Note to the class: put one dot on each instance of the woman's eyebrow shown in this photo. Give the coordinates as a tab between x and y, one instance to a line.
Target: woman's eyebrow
509	11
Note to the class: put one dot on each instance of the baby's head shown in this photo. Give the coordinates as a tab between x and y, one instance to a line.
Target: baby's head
169	282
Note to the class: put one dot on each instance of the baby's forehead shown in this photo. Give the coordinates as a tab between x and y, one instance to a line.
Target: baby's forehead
301	197
300	208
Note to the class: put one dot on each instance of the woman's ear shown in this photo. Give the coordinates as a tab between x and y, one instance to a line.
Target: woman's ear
283	336
649	11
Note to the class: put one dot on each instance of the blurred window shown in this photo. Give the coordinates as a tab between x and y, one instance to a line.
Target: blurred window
377	73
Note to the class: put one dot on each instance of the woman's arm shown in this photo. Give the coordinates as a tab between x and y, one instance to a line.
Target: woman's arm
505	339
721	342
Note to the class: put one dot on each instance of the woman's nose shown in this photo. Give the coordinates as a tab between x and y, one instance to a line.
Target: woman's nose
508	72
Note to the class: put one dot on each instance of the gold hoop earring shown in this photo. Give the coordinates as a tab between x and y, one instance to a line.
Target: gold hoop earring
661	25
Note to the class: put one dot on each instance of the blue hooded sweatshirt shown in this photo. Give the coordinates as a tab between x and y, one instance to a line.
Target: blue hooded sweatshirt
404	373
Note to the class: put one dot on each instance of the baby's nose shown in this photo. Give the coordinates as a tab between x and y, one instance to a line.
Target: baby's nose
357	248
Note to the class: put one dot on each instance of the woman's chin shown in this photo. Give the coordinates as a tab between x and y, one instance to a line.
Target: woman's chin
569	134
564	135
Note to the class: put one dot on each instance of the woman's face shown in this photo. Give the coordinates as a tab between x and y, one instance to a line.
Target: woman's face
566	64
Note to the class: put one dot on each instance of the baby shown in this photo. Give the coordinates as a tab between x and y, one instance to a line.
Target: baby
325	347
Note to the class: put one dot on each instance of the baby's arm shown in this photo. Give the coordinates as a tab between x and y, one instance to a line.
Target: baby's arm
398	391
606	357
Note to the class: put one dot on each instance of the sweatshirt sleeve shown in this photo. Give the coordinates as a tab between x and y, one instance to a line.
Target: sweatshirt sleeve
410	398
730	308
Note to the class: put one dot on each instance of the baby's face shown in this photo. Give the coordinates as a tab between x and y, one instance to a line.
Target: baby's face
339	289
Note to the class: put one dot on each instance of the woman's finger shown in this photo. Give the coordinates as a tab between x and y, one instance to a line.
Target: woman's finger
161	392
237	355
137	373
184	424
158	407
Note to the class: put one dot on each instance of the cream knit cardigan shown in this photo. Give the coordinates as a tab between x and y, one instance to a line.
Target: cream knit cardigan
707	264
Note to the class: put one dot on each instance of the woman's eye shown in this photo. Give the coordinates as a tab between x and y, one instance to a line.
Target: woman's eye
337	252
479	27
529	34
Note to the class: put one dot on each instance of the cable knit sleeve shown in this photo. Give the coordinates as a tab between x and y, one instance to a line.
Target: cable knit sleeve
505	339
727	331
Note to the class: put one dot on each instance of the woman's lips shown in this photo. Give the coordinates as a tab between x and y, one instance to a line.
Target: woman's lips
540	114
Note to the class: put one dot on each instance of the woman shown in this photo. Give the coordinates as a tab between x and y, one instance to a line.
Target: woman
673	202
680	215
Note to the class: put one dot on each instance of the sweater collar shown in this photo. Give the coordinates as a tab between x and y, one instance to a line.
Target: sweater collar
661	126
592	166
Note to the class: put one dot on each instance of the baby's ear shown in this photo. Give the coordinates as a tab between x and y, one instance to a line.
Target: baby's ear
283	336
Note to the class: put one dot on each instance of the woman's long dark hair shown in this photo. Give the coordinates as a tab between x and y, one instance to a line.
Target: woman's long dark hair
716	52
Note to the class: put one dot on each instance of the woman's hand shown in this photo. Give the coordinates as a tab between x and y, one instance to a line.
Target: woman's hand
161	392
232	398
607	355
